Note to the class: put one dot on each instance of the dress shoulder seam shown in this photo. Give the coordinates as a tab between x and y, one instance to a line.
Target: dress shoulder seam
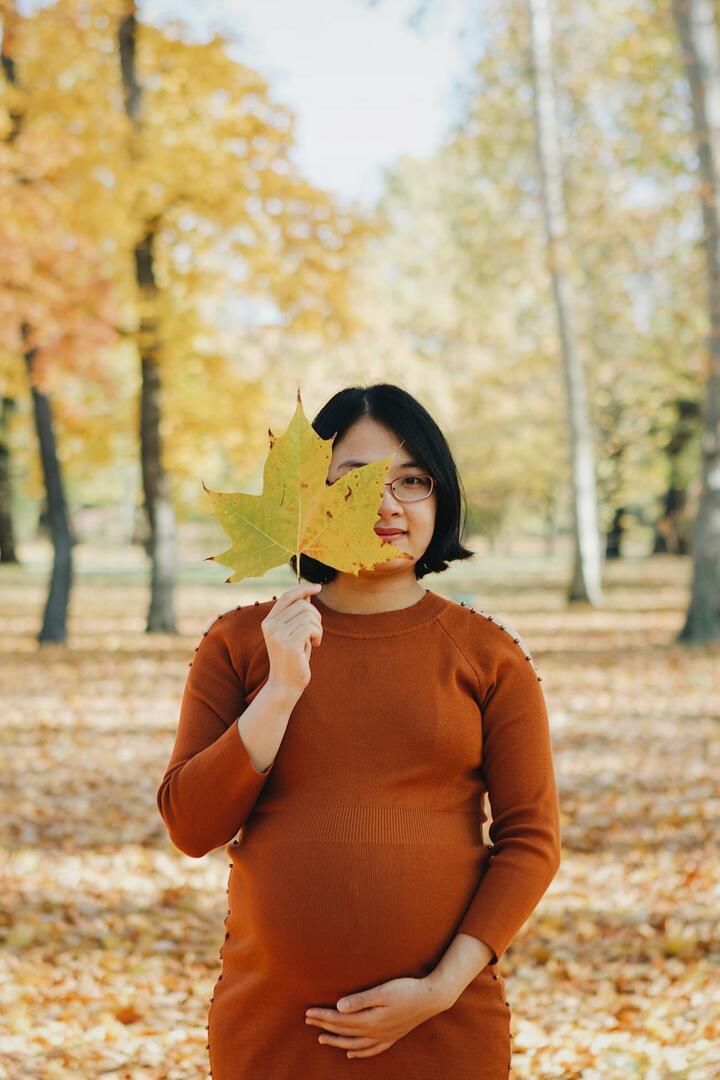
462	652
507	628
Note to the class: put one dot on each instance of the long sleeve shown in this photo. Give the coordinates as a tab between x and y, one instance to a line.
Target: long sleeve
210	785
520	778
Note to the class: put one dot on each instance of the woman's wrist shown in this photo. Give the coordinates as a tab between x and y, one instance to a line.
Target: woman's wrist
464	959
262	724
280	693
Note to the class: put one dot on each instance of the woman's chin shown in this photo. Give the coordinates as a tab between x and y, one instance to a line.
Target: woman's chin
393	565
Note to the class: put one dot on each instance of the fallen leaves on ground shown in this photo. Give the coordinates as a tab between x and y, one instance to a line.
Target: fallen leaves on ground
112	937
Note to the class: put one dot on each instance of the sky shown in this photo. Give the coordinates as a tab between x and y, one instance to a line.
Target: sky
366	87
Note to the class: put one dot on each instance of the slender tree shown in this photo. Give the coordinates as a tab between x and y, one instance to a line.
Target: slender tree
58	306
156	482
698	33
671	532
585	584
7	528
8	552
54	624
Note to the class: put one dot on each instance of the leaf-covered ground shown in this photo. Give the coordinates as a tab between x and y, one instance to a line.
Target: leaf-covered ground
112	937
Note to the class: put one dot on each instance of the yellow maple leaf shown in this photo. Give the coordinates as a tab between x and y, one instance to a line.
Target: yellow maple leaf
300	513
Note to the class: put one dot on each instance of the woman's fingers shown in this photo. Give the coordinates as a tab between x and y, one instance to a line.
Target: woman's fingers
352	1042
298	592
291	627
302	610
371	1050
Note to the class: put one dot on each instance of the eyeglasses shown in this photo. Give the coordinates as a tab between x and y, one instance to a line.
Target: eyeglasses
412	488
407	488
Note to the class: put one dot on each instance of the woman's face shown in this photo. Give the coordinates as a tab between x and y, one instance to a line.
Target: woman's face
365	441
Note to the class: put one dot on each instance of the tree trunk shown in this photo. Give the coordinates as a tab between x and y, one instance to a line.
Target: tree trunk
54	627
585	584
697	30
156	489
7	530
615	534
669	537
158	504
671	534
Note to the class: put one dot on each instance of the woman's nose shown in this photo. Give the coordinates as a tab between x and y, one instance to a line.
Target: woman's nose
388	499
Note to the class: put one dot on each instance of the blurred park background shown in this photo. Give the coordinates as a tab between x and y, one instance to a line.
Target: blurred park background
510	208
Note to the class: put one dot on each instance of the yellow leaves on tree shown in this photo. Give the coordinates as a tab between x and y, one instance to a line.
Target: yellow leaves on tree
299	512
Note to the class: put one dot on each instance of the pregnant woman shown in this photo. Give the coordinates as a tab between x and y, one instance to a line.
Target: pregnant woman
349	731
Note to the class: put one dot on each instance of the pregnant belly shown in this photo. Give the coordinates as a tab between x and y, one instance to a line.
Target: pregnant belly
348	902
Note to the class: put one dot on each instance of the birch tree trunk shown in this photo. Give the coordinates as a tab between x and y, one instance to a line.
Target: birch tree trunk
698	33
585	584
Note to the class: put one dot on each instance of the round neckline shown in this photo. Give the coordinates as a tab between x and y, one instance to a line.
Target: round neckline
379	623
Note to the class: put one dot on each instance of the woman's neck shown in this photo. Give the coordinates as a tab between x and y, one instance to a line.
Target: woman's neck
364	595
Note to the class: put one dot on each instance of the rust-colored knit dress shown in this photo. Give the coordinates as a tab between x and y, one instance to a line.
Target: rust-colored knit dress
361	854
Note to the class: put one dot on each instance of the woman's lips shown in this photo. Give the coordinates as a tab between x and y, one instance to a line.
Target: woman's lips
388	534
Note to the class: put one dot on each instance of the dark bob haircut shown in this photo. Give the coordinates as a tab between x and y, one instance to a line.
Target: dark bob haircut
399	411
